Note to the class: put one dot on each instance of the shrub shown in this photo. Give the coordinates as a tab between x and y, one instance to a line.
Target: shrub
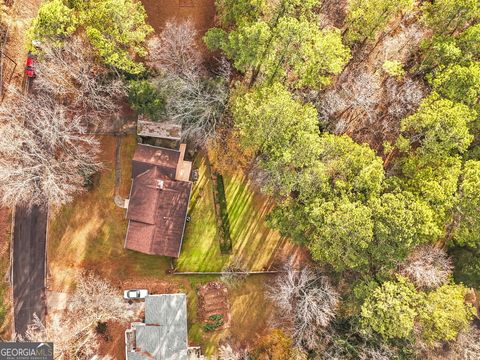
214	322
101	328
145	99
445	313
393	68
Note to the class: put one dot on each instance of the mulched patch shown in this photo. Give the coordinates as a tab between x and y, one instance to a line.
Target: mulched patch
212	301
112	343
154	286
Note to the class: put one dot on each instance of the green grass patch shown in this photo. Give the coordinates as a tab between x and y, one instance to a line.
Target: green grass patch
201	250
254	245
90	232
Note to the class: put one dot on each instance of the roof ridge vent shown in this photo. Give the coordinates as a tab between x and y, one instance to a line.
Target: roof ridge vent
160	184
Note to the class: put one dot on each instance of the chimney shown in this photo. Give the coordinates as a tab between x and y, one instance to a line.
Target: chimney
160	184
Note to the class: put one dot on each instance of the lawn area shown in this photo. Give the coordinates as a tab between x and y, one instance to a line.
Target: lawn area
255	246
249	310
89	233
201	248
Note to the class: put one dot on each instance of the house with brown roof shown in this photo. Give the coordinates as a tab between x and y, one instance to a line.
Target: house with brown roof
158	203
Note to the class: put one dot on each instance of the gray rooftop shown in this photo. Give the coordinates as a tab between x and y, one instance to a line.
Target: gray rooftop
163	336
162	130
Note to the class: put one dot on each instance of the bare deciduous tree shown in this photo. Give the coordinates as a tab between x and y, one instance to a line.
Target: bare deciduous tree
193	99
74	334
97	300
362	93
73	75
195	102
175	49
428	267
382	353
45	156
403	97
467	346
74	338
308	299
226	352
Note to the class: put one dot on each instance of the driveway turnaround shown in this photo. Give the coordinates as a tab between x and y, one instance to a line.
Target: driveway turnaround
28	273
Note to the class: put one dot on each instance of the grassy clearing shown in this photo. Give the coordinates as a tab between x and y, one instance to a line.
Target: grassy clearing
255	246
89	233
201	246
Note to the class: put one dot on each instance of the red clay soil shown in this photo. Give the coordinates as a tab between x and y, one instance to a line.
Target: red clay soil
213	300
113	342
154	286
200	12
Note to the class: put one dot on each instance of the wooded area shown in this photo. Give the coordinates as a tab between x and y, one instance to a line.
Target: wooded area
358	119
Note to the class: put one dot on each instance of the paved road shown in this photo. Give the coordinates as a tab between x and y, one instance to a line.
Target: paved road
29	241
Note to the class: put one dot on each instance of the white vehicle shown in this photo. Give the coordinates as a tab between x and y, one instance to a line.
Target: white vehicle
135	294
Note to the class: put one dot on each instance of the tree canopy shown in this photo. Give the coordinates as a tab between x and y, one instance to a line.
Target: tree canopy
295	50
439	127
390	310
467	220
365	18
459	83
117	29
448	16
445	313
395	308
55	22
283	130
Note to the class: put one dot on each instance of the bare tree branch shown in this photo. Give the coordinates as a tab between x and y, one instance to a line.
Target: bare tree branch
74	76
309	300
175	49
45	155
428	267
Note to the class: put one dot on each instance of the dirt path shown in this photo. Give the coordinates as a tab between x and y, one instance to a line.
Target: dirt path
21	14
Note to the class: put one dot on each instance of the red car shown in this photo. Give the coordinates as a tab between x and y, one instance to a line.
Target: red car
30	67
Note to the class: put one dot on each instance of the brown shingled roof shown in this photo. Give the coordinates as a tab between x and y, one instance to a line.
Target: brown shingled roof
157	213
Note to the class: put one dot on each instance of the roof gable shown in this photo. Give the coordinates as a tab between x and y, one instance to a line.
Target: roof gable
164	334
158	202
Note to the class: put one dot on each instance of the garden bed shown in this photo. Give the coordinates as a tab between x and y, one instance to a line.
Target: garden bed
213	306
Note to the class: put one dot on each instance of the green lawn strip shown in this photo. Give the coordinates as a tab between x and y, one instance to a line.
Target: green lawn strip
253	243
200	249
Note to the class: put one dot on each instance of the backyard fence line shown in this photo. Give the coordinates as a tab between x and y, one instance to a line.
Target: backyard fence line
228	272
